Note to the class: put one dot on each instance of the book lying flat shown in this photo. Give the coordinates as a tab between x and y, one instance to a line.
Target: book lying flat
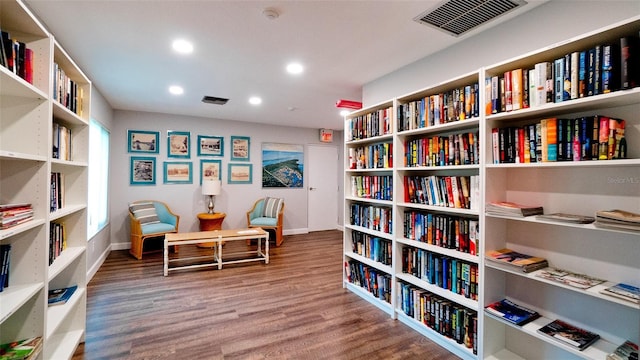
623	291
627	351
619	215
580	281
567	218
22	349
524	262
513	209
569	334
61	296
512	312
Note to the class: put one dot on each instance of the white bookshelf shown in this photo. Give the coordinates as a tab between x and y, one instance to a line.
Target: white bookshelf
27	114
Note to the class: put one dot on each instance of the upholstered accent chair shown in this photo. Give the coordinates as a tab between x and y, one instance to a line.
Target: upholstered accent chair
150	219
268	213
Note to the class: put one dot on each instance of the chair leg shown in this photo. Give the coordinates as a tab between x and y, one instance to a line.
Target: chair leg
136	246
279	239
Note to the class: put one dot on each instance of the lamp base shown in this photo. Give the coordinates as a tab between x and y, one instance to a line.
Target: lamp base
210	206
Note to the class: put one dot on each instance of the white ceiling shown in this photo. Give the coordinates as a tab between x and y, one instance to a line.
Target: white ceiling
124	47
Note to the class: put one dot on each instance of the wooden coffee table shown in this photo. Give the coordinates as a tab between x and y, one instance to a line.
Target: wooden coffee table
217	237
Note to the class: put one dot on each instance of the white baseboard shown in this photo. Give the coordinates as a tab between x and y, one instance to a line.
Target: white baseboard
121	246
96	266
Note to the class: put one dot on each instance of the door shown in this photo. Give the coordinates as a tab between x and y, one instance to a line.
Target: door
322	188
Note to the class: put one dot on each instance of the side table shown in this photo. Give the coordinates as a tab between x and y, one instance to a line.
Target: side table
210	222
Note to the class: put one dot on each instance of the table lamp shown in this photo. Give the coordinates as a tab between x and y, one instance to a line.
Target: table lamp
211	188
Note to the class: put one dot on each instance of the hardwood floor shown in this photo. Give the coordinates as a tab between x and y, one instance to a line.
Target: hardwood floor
292	308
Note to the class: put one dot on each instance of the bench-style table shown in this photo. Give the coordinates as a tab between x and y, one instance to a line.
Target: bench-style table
217	237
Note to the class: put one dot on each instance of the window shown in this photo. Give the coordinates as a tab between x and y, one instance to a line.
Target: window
98	178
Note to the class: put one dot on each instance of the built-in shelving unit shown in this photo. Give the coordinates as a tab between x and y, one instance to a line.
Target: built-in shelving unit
27	114
577	187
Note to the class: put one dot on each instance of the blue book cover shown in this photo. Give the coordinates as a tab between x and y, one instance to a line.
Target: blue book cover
61	296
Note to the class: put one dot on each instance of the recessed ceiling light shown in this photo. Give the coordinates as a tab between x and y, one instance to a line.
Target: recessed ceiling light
254	100
176	90
344	113
183	46
295	68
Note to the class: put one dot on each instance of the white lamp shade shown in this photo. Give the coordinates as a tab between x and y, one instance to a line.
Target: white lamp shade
211	187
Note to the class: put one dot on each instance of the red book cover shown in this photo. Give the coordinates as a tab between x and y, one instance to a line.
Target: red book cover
508	90
450	200
603	138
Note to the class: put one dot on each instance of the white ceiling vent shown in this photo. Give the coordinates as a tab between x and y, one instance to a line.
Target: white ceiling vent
456	17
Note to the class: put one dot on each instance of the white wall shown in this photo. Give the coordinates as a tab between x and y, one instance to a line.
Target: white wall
186	199
547	24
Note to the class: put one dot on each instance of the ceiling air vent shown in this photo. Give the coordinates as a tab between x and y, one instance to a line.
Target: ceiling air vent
456	17
214	100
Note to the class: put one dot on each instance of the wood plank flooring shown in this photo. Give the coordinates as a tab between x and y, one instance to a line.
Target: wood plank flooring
293	308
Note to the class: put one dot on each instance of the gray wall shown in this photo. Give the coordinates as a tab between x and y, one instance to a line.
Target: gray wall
545	25
186	199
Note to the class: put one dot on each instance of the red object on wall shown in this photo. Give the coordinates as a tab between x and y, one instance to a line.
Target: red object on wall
349	104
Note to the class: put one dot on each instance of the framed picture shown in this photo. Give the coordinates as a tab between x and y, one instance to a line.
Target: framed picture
177	172
142	170
179	144
210	170
140	141
210	145
282	165
240	173
240	148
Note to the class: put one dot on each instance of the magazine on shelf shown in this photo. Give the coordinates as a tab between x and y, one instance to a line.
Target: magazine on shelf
567	218
623	291
569	334
619	215
508	208
517	260
22	349
580	281
61	296
627	351
511	312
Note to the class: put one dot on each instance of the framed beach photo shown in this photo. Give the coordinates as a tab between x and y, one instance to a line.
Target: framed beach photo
210	145
141	141
240	173
178	172
282	165
179	144
142	170
240	148
210	170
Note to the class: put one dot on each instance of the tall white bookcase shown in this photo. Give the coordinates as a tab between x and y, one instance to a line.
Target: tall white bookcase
27	114
578	187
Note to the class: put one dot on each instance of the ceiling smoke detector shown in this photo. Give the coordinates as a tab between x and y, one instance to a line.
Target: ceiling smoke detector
456	17
214	100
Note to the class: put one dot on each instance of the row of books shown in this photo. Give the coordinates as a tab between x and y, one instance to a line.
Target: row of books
57	240
66	91
618	219
528	263
455	275
16	57
378	187
57	191
15	214
5	262
61	142
453	105
460	192
376	156
375	123
25	349
378	218
597	70
372	247
443	316
454	149
555	139
558	330
447	231
376	282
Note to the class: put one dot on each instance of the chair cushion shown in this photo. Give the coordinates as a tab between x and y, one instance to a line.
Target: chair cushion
145	212
264	221
271	207
157	228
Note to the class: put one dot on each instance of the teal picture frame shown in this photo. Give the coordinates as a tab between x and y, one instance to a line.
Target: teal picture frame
210	145
240	173
210	170
142	170
143	141
178	172
179	144
240	148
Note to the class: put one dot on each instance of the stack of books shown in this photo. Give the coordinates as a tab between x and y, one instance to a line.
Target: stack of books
507	208
519	261
623	291
14	214
618	219
627	351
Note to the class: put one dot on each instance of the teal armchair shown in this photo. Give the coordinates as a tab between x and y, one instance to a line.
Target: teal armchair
150	219
268	213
